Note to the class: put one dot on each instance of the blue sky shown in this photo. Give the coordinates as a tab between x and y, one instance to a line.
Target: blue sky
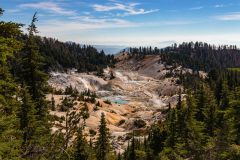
131	22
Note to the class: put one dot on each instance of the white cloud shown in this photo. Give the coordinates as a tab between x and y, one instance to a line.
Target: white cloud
197	8
101	21
55	27
234	16
48	6
103	8
137	12
222	5
129	9
219	6
78	28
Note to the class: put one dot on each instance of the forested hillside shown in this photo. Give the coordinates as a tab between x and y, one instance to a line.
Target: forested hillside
67	55
61	55
197	56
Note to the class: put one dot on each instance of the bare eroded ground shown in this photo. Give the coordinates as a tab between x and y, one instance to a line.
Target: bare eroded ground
140	90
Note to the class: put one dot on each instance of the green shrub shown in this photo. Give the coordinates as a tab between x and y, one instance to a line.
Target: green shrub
139	123
121	122
92	132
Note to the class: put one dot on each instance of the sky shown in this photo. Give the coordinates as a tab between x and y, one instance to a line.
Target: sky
130	22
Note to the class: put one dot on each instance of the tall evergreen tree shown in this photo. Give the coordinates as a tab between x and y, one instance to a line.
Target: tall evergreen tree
102	144
28	125
190	138
84	113
210	112
156	139
72	120
224	102
32	71
171	129
81	152
223	139
119	156
179	103
10	139
53	108
132	152
201	103
234	112
32	75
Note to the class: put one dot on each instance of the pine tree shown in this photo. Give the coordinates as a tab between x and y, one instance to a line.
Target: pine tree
84	113
223	139
218	91
157	138
10	137
27	124
119	156
32	71
179	103
234	133
210	113
72	120
180	123
33	77
132	153
234	112
53	104
102	144
172	129
201	104
90	143
145	143
66	104
81	152
190	138
224	102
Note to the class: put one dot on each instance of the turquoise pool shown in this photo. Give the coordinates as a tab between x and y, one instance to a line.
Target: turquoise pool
117	99
120	101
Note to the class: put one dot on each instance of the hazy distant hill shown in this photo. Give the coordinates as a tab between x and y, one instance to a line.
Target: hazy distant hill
110	49
114	49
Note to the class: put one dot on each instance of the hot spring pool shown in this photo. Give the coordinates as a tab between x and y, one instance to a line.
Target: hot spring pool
120	101
116	99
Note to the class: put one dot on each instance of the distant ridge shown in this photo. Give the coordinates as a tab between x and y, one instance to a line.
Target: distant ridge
115	49
110	49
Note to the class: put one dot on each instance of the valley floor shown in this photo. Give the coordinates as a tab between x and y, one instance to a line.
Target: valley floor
133	95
